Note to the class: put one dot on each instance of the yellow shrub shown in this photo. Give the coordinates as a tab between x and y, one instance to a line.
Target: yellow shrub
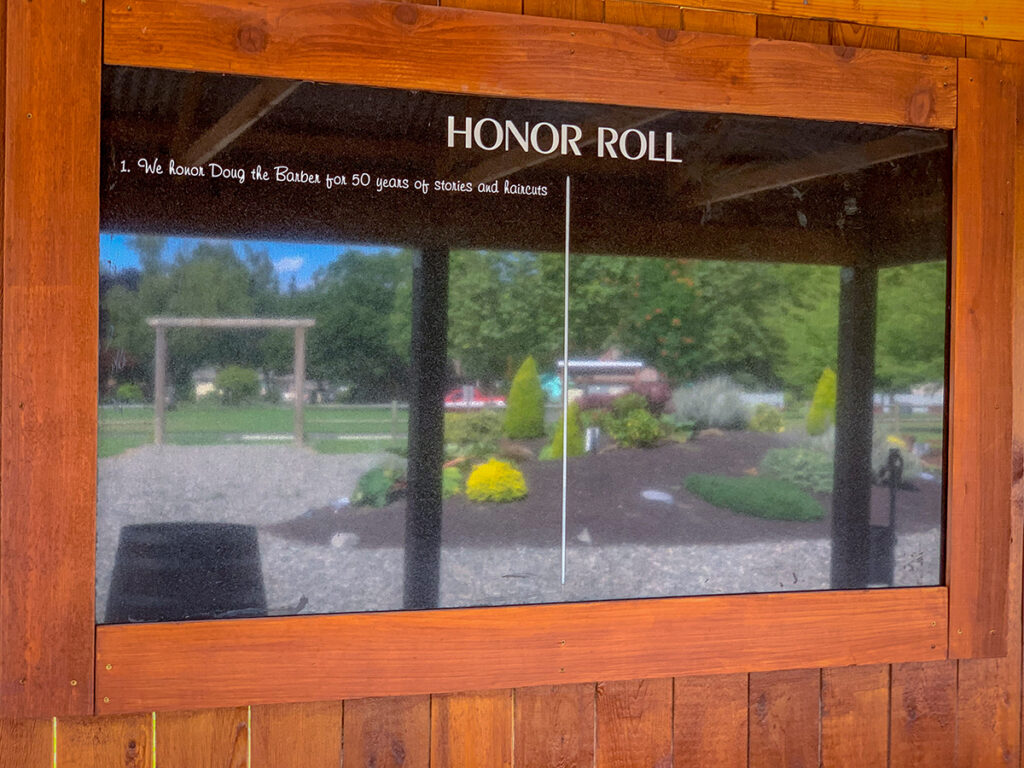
495	481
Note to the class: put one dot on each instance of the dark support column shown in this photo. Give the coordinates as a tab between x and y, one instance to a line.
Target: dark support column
426	427
855	379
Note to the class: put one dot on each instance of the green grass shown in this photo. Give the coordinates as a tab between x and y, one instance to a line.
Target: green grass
763	497
210	424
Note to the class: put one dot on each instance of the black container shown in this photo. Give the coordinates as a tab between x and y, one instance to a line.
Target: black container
186	571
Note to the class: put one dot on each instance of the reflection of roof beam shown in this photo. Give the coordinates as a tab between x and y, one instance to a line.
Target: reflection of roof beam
250	108
506	164
190	96
761	177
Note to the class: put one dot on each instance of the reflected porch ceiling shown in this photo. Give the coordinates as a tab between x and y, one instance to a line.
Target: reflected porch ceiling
748	188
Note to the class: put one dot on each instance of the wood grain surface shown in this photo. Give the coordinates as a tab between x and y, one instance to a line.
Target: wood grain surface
257	661
26	743
471	729
784	718
371	42
922	726
933	43
124	741
855	717
634	724
298	735
388	733
710	721
978	517
213	738
49	338
554	726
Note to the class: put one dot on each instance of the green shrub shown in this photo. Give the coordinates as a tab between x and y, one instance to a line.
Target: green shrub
473	434
237	384
574	441
524	412
623	405
129	393
716	403
377	487
756	496
823	407
637	430
495	480
766	418
451	482
803	467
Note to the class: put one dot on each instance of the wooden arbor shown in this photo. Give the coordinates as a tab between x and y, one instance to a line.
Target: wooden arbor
161	324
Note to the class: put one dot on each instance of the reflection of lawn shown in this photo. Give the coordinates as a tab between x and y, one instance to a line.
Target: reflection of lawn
204	424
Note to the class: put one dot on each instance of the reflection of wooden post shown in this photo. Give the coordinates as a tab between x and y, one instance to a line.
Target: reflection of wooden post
300	382
855	385
428	356
159	384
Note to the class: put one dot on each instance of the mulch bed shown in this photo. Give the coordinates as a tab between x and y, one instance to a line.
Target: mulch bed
606	506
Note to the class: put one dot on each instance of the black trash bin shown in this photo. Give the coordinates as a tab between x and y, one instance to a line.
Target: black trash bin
186	571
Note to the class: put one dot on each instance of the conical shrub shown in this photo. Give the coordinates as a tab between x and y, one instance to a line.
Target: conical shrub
823	407
574	443
524	410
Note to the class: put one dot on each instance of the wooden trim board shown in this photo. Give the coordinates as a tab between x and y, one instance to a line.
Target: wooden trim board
310	658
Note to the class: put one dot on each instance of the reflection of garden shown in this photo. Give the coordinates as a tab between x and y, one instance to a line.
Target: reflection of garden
710	472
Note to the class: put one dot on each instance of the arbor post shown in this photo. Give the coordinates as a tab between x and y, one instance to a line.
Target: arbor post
300	383
159	384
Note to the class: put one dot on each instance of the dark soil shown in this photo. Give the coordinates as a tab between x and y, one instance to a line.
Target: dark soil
605	504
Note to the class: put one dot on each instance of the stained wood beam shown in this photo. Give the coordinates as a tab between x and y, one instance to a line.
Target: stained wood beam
760	177
250	108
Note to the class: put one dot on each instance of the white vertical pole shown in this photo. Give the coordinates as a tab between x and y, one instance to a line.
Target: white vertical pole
565	372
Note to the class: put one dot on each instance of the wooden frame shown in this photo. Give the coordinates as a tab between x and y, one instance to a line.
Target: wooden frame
48	377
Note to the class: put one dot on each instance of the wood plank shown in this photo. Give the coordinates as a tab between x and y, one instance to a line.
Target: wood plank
48	363
933	43
124	741
784	718
388	733
988	18
638	14
297	735
922	726
796	30
498	6
274	660
406	46
978	526
719	23
554	726
855	717
581	10
634	723
471	729
710	721
1005	51
210	738
26	743
864	36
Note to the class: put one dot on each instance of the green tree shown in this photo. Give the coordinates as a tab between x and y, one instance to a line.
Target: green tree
574	441
822	412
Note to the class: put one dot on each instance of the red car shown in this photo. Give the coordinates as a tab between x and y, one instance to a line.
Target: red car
471	398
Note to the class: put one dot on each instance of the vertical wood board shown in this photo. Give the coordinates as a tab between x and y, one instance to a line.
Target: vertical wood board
471	729
387	733
855	717
297	735
785	719
26	743
49	338
978	526
124	741
922	729
581	10
209	738
710	721
634	723
554	726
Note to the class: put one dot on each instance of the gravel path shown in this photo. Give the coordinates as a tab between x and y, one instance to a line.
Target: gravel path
265	485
